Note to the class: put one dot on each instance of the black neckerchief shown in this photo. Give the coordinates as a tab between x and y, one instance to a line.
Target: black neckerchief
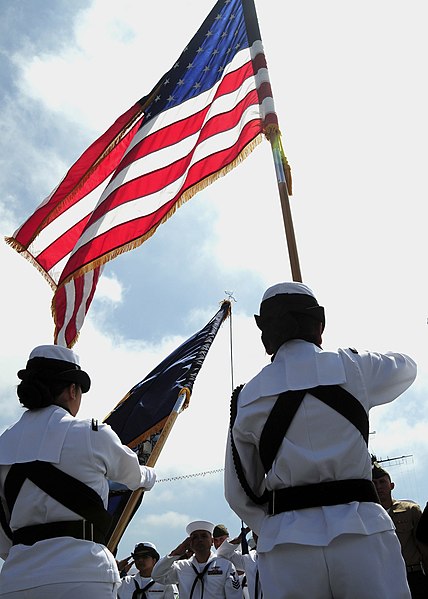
200	577
141	593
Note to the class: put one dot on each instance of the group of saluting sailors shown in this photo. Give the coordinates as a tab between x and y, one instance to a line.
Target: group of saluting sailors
298	472
193	568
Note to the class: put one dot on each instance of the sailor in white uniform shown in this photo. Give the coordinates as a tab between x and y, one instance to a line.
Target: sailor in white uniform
245	562
142	585
54	472
198	571
306	490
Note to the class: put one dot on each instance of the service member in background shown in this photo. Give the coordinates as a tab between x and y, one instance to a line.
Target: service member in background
142	585
298	470
406	516
198	571
245	561
220	534
54	484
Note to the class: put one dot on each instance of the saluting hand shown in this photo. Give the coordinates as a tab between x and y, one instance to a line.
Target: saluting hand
183	550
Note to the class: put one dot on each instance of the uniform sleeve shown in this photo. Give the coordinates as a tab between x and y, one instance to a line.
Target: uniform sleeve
248	511
232	587
121	463
124	590
386	375
170	592
164	570
232	553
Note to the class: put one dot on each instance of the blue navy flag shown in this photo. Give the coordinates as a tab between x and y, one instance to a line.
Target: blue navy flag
140	416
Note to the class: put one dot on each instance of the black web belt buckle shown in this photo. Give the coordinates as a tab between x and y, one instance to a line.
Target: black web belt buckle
87	530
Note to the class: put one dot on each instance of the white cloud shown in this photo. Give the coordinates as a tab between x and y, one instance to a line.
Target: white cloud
171	519
110	288
110	55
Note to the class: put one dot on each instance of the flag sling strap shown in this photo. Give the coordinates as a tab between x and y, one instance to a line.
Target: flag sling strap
67	490
273	433
286	406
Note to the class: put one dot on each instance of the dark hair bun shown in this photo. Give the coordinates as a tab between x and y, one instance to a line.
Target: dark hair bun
33	393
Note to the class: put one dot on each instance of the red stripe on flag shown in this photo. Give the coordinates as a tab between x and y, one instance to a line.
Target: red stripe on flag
62	246
132	230
152	182
49	210
81	292
172	134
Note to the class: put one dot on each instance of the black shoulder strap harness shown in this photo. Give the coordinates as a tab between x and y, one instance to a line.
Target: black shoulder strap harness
287	405
276	428
67	490
141	593
235	455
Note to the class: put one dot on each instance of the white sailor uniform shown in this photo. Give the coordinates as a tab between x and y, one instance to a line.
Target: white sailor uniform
245	562
320	445
92	455
151	588
219	581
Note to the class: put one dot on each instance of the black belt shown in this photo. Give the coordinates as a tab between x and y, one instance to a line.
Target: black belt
319	494
79	529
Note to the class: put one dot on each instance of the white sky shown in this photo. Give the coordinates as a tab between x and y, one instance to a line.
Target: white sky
351	100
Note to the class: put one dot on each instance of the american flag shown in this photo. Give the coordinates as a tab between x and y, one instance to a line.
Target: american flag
201	119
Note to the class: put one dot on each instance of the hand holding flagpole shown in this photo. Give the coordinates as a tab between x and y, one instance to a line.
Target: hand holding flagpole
183	398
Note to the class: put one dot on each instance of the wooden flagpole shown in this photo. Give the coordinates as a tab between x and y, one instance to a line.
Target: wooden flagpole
280	161
127	513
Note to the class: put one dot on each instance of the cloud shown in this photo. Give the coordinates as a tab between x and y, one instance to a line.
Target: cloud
171	519
109	288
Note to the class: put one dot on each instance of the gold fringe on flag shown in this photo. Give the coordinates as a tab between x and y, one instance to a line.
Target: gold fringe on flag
272	132
18	247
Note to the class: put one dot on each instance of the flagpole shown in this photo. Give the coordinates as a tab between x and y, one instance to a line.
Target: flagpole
279	162
135	495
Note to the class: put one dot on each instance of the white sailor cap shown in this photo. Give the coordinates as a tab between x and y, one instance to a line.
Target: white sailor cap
55	363
289	287
199	525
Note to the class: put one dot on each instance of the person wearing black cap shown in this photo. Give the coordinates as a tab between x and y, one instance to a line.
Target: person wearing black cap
54	484
298	470
406	516
142	585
